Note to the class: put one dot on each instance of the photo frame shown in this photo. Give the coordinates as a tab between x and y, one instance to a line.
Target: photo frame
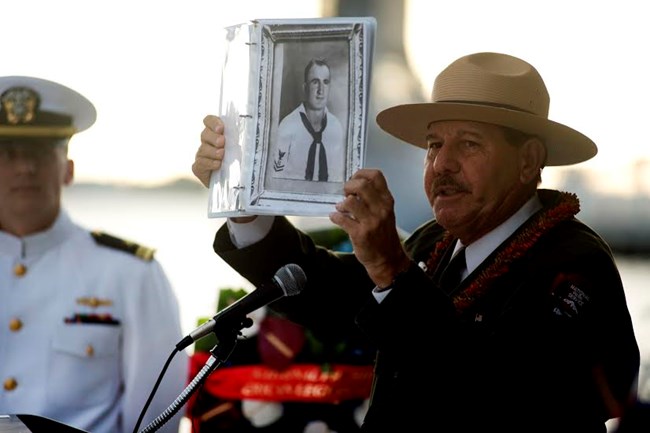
296	126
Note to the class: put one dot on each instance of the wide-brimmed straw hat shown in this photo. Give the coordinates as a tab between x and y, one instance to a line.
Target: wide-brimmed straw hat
493	88
32	107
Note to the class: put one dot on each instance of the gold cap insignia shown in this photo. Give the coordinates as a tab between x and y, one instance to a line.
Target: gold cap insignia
19	105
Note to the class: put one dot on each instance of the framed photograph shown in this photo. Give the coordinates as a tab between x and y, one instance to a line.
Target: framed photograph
300	131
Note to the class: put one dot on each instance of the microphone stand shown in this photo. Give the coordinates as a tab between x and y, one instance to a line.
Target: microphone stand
227	340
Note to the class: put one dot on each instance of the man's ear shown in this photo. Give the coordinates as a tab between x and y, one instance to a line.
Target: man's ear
69	172
532	159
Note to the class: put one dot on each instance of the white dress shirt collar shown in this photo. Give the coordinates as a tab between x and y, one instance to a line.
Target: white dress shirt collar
480	249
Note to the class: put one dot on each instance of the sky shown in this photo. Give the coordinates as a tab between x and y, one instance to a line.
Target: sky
152	68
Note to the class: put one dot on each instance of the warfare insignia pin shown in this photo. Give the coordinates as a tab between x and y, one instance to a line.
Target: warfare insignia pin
94	302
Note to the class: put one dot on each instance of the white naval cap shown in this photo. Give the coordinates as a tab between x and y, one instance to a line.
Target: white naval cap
33	107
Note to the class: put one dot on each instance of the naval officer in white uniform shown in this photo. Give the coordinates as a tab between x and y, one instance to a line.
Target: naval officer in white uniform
87	320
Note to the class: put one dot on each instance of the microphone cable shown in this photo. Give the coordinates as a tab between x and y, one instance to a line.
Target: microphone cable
219	354
155	388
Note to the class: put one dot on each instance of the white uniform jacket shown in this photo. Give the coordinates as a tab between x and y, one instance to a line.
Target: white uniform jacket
85	330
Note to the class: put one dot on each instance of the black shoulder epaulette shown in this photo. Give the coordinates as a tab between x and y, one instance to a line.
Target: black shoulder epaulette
138	250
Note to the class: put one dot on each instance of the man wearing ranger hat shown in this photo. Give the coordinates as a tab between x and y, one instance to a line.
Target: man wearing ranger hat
88	319
503	312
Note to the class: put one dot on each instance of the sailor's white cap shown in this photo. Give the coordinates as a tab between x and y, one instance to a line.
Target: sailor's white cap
33	107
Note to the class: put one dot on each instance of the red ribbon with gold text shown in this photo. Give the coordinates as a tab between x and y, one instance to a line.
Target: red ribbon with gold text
299	382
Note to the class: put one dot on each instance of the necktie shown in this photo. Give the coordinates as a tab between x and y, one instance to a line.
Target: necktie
450	277
311	157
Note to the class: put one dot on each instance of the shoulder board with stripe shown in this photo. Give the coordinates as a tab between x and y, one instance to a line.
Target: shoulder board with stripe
145	253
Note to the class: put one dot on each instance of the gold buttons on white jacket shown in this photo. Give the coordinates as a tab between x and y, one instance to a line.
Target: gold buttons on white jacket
20	270
15	324
10	384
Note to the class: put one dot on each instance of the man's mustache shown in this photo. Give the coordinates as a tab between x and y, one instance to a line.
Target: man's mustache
446	183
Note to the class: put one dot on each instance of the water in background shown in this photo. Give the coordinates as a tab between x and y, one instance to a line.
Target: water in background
174	220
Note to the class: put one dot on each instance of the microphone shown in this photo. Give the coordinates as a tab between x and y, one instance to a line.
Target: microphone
289	280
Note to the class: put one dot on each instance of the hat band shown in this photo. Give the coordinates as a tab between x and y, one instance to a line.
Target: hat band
487	104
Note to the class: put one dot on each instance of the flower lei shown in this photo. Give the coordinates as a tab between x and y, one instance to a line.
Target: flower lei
566	207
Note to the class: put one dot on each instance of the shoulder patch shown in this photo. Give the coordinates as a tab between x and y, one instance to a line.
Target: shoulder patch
569	295
110	241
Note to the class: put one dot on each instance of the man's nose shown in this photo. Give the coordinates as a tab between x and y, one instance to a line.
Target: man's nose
446	159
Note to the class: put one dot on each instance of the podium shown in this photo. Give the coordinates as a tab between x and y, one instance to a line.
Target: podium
23	423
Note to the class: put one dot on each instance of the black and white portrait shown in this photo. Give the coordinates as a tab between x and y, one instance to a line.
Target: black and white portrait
306	116
311	138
